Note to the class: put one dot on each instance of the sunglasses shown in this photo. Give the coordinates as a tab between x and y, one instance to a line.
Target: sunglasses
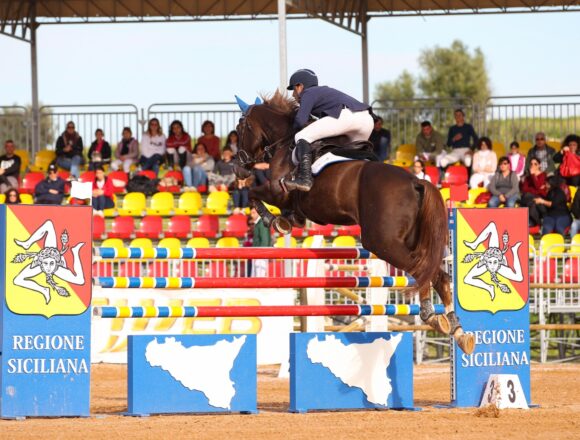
540	139
70	127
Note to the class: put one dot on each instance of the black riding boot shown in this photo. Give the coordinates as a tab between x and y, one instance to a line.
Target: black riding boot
302	181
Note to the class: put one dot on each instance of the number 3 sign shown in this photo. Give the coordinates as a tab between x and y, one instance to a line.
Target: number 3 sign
504	391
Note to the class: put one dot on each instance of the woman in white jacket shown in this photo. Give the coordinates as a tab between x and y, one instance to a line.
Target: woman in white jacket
152	147
484	163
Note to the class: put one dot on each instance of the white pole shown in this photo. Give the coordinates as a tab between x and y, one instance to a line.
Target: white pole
365	60
34	76
282	44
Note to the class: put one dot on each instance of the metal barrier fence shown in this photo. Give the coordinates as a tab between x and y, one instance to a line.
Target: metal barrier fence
15	124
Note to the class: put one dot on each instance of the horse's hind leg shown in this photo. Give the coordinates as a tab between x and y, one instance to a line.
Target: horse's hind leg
438	322
442	285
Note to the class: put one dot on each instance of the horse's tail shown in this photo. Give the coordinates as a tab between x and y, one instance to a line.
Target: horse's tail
433	235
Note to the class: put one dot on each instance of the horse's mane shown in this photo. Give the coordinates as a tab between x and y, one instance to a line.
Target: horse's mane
281	103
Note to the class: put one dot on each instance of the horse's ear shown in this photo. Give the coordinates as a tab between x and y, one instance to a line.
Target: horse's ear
258	101
242	104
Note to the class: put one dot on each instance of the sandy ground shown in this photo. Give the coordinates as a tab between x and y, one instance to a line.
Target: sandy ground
555	387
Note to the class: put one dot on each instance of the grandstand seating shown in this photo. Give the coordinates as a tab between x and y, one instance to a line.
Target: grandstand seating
353	230
551	243
42	159
556	145
150	174
455	175
171	174
217	203
122	227
99	232
189	203
281	242
141	243
236	226
207	226
473	194
433	172
179	227
26	199
119	179
87	176
111	212
2	198
24	159
116	243
297	232
134	204
525	146
161	204
198	242
227	242
325	230
308	242
344	241
30	181
498	148
151	226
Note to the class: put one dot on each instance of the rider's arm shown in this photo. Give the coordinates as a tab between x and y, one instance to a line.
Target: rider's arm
306	105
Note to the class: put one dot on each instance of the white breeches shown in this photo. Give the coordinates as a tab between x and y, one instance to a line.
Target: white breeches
357	126
477	178
456	155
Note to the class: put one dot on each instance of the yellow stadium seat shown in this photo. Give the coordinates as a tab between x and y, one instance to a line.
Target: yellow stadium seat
134	204
189	203
446	194
24	159
404	158
551	243
525	146
281	242
407	148
273	209
308	241
217	203
575	248
141	243
111	212
573	190
227	242
344	241
198	242
531	246
169	242
116	243
473	194
161	204
498	148
26	199
42	159
556	145
2	198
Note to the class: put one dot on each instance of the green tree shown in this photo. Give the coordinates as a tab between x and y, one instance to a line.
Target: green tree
402	89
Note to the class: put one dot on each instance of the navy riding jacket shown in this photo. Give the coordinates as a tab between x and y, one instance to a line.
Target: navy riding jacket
323	101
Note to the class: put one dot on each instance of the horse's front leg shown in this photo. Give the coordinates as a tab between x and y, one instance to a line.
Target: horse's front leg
262	194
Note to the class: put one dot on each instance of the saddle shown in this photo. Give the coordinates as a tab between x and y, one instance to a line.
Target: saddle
341	146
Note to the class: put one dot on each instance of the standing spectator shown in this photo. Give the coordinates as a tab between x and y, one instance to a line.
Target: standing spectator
569	158
503	186
232	141
381	139
127	151
69	150
100	151
222	177
419	171
517	160
210	140
12	197
429	143
260	238
544	153
50	191
557	216
533	186
484	164
461	138
9	167
200	164
152	147
178	145
102	192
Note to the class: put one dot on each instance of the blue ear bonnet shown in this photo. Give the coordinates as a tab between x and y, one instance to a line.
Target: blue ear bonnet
245	106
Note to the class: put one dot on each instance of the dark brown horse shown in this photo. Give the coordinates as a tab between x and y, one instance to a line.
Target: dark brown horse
403	219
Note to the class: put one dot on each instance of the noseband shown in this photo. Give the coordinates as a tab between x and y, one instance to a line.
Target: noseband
244	158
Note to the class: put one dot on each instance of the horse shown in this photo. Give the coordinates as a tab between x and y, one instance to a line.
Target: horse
403	220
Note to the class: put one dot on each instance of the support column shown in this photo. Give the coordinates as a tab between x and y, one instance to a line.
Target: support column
365	58
282	44
34	76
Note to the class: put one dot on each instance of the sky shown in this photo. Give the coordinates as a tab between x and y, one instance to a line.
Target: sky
144	64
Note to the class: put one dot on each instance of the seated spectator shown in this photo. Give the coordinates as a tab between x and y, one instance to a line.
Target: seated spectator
69	150
461	138
557	218
210	140
178	145
261	173
381	139
569	159
544	153
575	208
241	194
197	168
152	147
232	141
517	160
419	171
127	151
429	143
100	151
102	192
222	177
12	197
503	186
533	186
9	167
484	164
50	191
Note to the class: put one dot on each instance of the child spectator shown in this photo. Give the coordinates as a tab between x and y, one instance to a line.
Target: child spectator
100	151
69	150
210	140
10	164
127	151
12	197
197	168
152	147
569	159
232	141
557	218
517	160
50	191
484	164
533	186
102	192
503	186
178	145
223	175
419	170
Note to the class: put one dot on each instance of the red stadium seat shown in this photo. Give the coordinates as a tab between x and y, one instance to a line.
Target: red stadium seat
148	173
325	230
352	230
122	227
236	226
297	232
151	226
178	176
179	227
433	173
207	226
455	175
87	176
98	228
30	181
119	180
545	271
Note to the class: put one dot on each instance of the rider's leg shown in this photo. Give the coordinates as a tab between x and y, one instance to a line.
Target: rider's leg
302	180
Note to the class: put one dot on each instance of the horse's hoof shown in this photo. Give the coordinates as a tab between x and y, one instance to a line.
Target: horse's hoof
466	342
439	323
282	225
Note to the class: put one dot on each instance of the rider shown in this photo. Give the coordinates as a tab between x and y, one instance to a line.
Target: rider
337	113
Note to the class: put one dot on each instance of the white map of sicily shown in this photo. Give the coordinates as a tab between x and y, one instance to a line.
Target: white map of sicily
357	365
201	368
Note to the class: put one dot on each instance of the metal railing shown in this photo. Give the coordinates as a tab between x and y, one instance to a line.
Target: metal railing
15	124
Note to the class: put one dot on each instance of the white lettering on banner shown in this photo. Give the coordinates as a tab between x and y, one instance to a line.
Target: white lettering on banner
495	359
47	366
488	337
48	342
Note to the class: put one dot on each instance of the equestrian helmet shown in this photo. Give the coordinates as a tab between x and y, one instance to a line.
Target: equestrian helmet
306	77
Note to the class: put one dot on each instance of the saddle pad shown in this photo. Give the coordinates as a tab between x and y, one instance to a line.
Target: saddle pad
325	160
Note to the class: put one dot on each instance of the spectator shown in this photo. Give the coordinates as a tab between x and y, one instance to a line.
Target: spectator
50	191
569	158
503	186
260	238
241	194
127	151
200	164
381	139
534	186
575	208
517	160
102	192
12	197
232	141
429	143
223	175
69	150
152	147
100	151
461	139
178	145
210	140
9	167
484	164
419	170
544	153
557	216
261	173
